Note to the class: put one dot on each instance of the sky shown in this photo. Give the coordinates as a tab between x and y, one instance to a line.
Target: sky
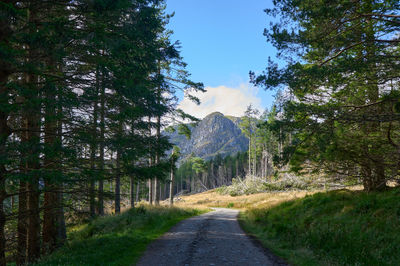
221	41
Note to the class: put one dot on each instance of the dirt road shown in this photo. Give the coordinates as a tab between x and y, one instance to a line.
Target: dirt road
214	238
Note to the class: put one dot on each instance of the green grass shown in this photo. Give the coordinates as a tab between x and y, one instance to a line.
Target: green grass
230	205
119	239
335	228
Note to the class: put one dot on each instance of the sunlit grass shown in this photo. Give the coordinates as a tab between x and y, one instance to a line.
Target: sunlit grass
213	199
119	239
334	228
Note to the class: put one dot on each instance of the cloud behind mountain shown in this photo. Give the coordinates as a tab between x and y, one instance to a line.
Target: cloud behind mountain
229	101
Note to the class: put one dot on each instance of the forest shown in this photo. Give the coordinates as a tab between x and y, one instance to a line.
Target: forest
87	88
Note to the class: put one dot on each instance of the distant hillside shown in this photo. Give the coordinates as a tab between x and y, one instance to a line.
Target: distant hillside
215	134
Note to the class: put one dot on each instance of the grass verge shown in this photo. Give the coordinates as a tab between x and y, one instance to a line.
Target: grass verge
334	228
119	239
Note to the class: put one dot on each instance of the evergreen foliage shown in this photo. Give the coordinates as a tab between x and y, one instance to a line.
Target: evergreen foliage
84	88
341	87
195	174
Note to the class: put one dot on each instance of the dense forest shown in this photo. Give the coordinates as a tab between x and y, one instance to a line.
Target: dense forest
85	88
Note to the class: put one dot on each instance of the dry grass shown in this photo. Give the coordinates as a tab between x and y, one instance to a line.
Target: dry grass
260	200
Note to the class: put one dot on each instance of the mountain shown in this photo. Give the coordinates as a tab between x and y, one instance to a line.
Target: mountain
215	134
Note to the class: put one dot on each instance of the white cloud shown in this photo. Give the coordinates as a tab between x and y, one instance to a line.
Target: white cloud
229	101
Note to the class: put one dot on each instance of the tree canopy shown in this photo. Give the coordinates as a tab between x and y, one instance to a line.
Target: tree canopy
341	83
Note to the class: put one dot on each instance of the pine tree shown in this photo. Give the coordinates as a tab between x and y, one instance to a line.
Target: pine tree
248	127
173	159
341	73
77	85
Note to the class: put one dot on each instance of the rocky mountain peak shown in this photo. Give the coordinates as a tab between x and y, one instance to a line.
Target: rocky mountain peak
215	134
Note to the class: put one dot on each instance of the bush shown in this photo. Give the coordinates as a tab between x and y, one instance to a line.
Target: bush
230	205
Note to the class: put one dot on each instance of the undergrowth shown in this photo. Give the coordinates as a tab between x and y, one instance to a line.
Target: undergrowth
253	185
334	228
119	239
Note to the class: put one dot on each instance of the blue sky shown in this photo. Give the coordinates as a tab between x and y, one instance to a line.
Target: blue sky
222	40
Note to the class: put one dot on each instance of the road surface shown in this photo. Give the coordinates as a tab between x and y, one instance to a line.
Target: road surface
214	238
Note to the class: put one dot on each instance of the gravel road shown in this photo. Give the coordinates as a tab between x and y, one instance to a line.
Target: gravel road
214	238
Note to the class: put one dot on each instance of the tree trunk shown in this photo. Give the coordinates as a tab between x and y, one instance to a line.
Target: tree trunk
138	191
249	154
151	188
22	202
377	179
161	191
166	191
61	228
255	161
33	164
280	142
50	218
118	184
33	189
118	174
5	131
171	188
132	191
50	164
33	221
21	227
3	196
100	205
93	148
151	191
157	159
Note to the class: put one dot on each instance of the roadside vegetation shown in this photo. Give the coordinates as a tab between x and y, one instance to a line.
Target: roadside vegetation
340	227
119	239
212	198
284	182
